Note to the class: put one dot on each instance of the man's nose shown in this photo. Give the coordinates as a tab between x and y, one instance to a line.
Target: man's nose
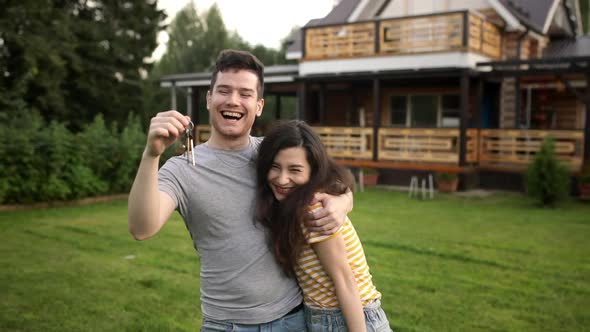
232	99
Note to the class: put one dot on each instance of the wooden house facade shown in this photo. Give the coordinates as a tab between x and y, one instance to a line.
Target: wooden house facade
418	86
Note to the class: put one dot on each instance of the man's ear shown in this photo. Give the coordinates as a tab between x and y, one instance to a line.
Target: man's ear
208	98
259	107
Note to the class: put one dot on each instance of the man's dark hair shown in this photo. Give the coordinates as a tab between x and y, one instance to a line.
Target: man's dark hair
239	60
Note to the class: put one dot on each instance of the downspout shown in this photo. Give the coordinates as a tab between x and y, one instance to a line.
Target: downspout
517	79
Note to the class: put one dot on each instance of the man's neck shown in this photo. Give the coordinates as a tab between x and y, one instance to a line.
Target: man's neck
228	143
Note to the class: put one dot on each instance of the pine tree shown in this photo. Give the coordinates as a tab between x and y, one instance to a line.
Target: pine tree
547	180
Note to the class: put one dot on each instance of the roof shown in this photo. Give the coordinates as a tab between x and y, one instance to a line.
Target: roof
568	48
532	13
272	74
538	14
339	13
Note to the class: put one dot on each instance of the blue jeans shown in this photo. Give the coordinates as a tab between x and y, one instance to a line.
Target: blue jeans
332	320
294	322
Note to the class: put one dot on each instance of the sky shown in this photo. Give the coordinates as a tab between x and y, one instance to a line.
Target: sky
263	22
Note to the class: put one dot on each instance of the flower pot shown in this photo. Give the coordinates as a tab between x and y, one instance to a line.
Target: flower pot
370	179
447	186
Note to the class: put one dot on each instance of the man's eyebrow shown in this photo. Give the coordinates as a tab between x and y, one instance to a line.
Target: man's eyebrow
225	86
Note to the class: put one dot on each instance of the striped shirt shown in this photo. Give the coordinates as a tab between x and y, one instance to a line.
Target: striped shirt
318	289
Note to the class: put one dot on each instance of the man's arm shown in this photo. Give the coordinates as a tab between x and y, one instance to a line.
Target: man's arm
149	208
328	220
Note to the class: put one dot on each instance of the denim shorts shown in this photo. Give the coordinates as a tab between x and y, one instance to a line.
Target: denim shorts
292	322
332	320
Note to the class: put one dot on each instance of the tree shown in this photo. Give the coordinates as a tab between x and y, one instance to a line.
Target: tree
74	59
547	180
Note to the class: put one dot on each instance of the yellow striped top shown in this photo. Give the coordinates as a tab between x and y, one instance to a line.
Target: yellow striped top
318	289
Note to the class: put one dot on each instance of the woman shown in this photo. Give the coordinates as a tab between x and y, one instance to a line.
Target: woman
332	271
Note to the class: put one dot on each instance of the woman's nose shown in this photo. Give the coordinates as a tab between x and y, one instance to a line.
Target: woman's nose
283	178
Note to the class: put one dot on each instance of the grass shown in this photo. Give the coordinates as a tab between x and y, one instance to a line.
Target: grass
451	264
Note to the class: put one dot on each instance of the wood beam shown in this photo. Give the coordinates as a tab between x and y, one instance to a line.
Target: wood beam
376	116
464	118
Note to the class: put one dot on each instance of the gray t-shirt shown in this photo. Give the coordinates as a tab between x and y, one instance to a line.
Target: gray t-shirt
240	279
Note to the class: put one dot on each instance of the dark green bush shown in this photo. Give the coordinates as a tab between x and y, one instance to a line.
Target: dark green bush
40	162
547	180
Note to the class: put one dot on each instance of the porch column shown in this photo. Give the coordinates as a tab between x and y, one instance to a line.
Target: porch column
301	100
517	103
464	117
197	102
189	102
376	116
479	105
277	106
322	104
173	96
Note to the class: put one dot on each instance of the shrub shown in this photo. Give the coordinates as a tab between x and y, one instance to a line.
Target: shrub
40	162
547	180
445	176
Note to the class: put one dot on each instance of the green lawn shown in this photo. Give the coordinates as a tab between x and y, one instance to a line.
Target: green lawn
451	264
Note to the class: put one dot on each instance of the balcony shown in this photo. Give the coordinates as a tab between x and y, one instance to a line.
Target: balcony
462	31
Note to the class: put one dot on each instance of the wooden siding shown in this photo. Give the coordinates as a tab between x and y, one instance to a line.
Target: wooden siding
441	32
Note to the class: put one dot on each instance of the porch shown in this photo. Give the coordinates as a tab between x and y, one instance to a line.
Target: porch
439	148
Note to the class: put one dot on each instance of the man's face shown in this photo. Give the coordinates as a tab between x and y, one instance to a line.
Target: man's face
233	103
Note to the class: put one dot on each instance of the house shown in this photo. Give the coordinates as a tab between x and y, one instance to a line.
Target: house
420	86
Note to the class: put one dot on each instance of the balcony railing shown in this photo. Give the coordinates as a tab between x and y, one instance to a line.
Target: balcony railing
445	32
517	148
490	148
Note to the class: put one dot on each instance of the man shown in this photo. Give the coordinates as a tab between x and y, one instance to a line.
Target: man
242	286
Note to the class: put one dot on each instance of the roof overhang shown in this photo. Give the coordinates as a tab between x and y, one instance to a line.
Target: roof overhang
512	22
272	74
538	67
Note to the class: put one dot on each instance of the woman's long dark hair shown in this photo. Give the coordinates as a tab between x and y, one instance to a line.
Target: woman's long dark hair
283	218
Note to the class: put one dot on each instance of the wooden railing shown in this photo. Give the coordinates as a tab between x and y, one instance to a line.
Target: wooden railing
424	34
341	41
419	145
444	32
491	148
347	142
516	148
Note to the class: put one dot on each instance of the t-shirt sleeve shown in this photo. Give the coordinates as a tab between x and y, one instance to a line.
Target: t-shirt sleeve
315	237
169	181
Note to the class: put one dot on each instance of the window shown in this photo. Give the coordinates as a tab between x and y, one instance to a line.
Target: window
424	110
399	110
451	111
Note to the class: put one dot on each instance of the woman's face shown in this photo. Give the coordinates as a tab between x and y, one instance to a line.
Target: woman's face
289	170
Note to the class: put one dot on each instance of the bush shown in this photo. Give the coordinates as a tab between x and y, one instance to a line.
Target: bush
40	162
445	176
547	180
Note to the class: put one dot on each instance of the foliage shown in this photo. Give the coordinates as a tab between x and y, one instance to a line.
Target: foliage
585	175
445	176
41	162
547	180
71	60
